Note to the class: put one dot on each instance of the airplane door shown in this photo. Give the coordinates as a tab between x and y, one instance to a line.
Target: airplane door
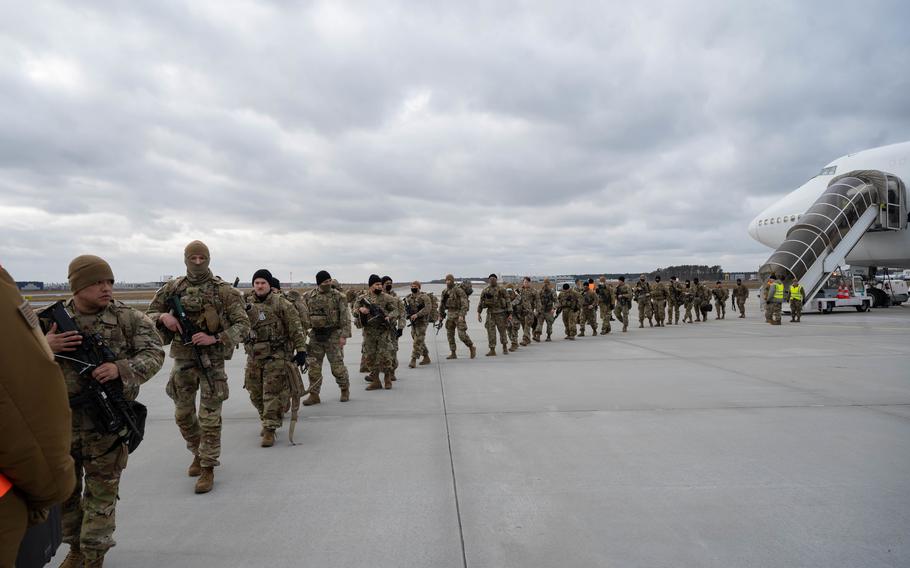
894	213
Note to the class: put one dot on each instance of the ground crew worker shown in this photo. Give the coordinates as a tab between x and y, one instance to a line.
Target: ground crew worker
330	328
378	313
797	294
607	302
569	304
741	294
417	309
218	314
659	295
775	300
36	468
100	456
499	313
623	303
547	302
720	300
274	325
455	305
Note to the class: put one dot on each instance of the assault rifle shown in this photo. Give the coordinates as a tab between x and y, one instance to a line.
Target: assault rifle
188	329
375	312
111	412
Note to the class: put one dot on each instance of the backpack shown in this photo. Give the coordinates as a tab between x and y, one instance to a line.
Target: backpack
434	307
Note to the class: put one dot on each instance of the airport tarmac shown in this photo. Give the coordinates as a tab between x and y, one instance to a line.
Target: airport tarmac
721	444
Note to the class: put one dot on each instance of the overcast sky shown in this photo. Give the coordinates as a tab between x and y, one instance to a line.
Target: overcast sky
419	138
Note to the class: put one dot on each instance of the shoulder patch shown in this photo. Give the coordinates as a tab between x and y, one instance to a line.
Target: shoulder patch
31	318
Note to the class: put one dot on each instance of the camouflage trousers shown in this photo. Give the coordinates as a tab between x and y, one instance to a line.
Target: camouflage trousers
720	310
621	311
201	429
605	314
393	348
514	326
741	304
580	321
496	322
673	312
773	310
527	326
457	323
696	306
569	322
419	334
796	310
268	382
644	311
89	514
330	349
590	319
545	317
378	349
660	310
688	316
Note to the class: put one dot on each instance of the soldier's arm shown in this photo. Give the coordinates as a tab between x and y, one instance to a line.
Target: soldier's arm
157	307
147	355
293	325
425	311
344	316
239	328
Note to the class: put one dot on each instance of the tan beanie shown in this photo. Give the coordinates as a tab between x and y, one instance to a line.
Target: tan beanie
196	247
88	269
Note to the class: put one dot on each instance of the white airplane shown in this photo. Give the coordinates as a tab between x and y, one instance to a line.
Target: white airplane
890	248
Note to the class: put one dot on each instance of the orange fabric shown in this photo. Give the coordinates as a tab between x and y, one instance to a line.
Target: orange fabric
5	485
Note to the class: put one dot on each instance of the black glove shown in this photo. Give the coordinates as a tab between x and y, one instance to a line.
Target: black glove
300	358
398	332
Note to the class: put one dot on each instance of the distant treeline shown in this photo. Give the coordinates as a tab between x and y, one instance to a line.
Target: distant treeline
683	272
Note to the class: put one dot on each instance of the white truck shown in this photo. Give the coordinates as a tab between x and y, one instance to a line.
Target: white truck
840	291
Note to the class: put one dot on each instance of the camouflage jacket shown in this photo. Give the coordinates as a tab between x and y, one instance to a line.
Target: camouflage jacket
720	294
454	302
131	337
589	300
495	300
547	300
274	326
213	305
605	295
740	292
702	294
530	301
569	300
660	291
642	291
623	294
687	295
328	312
388	307
675	292
418	304
299	302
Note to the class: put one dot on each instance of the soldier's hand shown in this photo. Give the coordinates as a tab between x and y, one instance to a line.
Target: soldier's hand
106	372
364	311
414	317
203	339
170	322
63	342
343	341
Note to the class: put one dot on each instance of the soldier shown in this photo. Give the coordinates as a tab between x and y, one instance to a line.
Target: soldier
606	300
499	314
623	303
796	295
454	306
378	314
698	299
659	294
589	302
417	308
530	305
674	300
100	456
397	329
547	301
775	299
688	299
514	324
330	327
218	315
741	294
580	314
569	304
274	326
642	294
720	300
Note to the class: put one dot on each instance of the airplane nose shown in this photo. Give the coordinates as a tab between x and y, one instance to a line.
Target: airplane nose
753	229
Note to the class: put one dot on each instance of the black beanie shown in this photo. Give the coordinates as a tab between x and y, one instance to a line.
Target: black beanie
322	276
386	279
493	276
275	283
565	286
264	274
374	279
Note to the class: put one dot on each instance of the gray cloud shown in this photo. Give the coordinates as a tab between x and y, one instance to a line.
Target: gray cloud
421	139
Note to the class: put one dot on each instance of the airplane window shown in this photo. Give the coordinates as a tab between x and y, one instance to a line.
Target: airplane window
829	171
772	221
786	218
778	219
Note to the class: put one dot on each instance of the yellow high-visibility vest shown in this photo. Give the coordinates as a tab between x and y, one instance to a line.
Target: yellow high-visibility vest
796	292
779	291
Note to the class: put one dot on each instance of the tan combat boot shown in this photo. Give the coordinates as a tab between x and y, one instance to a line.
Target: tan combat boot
425	360
195	468
505	348
73	558
268	439
206	480
492	352
514	347
548	338
375	383
452	355
389	377
345	395
412	363
537	337
473	351
311	399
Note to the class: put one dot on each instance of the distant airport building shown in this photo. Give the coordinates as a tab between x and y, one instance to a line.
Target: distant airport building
30	286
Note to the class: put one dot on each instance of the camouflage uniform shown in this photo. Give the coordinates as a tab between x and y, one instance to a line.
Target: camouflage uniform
642	295
395	331
623	304
674	301
702	297
589	302
297	388
607	301
455	304
378	332
741	294
569	304
216	309
275	323
100	458
530	305
329	321
499	308
720	301
514	324
796	304
580	313
547	300
418	304
659	294
688	299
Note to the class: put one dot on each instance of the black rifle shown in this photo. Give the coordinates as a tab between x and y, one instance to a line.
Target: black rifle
188	329
375	312
111	412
